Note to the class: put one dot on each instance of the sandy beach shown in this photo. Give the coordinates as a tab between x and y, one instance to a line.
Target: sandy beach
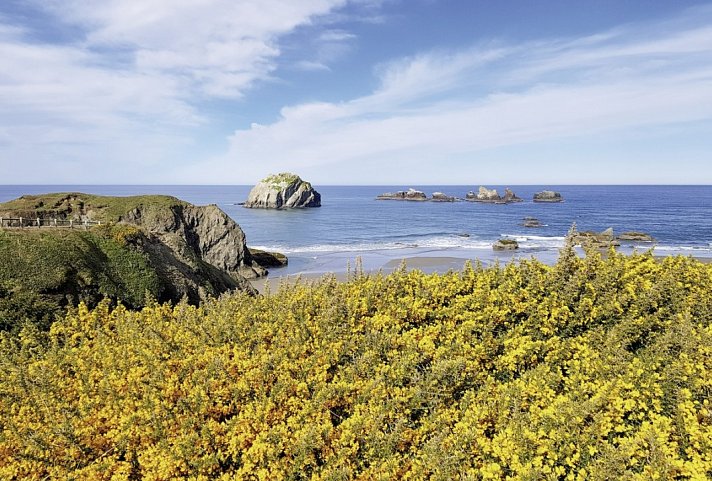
427	264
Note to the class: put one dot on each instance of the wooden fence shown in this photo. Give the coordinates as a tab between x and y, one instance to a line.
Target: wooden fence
25	222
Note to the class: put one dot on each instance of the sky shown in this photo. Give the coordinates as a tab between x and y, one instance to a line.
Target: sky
356	92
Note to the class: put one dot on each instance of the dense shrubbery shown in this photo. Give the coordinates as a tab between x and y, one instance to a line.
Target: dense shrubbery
590	369
44	270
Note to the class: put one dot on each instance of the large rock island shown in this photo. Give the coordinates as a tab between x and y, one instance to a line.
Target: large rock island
146	247
283	191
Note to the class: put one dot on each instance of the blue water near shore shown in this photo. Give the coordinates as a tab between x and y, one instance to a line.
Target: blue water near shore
352	224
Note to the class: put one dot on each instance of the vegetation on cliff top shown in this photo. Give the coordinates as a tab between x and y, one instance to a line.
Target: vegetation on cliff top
283	179
590	369
102	208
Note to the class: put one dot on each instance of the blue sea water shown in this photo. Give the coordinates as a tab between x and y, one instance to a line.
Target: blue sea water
351	223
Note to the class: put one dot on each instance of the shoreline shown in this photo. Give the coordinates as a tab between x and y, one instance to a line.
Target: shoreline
429	264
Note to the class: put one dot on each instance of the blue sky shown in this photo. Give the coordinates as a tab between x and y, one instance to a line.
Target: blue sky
355	91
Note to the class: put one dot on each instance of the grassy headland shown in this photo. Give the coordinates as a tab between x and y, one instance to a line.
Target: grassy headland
148	247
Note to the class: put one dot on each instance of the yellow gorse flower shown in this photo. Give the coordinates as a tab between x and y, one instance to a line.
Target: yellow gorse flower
589	369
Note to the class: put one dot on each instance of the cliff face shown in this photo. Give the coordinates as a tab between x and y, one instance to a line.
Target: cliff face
283	191
158	245
204	231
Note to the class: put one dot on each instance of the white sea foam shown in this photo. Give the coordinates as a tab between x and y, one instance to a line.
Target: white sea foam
667	248
438	242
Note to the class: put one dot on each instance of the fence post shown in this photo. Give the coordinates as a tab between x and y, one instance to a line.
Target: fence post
21	223
71	223
39	222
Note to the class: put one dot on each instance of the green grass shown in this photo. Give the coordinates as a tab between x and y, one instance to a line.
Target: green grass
283	179
101	208
42	271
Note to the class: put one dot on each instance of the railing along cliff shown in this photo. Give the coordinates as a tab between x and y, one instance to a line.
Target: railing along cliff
24	222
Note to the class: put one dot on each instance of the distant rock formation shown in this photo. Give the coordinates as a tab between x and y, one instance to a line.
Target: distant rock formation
440	197
505	245
531	222
636	237
283	191
598	240
484	195
491	196
510	196
548	196
410	194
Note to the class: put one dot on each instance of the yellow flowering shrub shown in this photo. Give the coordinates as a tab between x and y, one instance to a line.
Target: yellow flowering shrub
590	369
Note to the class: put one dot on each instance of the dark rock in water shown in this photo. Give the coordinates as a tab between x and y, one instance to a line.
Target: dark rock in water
599	240
283	191
505	245
548	196
531	222
510	196
268	259
464	234
636	237
440	197
410	194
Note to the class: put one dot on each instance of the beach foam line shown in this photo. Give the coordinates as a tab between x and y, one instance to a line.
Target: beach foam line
682	248
434	243
453	242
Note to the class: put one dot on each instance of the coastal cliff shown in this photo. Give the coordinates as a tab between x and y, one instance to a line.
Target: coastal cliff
146	247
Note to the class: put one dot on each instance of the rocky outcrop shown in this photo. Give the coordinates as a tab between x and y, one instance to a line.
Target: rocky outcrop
636	237
598	240
410	194
548	196
440	197
484	195
268	259
531	222
283	191
505	245
492	197
205	231
510	196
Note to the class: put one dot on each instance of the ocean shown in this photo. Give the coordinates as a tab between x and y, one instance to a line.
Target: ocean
351	224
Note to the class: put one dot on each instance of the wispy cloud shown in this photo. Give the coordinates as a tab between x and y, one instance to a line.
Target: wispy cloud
439	104
131	81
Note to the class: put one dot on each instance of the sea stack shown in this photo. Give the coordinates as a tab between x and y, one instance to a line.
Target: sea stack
548	196
440	197
283	191
491	196
410	194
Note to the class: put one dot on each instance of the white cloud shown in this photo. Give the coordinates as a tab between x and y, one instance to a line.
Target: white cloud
437	104
223	46
127	91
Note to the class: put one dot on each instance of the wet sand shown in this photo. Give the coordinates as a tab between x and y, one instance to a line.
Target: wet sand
428	265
